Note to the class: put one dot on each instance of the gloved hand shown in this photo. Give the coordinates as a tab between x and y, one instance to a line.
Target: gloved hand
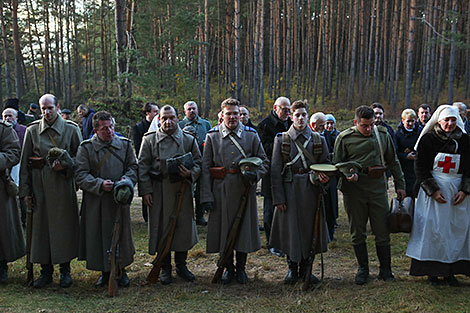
250	177
207	206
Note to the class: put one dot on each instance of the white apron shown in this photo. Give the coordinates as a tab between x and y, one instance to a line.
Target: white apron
441	232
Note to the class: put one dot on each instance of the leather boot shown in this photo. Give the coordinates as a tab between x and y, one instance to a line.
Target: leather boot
102	280
65	278
46	276
241	263
165	275
229	273
362	275
180	265
293	273
3	272
200	220
124	281
303	268
383	253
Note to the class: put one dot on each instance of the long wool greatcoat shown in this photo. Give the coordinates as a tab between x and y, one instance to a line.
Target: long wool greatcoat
156	147
11	233
226	194
292	229
98	209
55	217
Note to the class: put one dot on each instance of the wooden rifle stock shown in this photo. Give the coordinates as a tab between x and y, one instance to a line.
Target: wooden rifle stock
29	238
167	238
114	258
232	237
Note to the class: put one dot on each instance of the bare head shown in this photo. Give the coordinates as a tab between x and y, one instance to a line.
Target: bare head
408	118
103	125
82	110
49	107
10	115
191	110
318	121
364	120
282	108
168	119
244	115
299	114
231	112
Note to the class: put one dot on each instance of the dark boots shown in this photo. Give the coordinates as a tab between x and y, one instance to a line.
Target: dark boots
165	274
102	280
383	253
65	278
200	220
180	264
46	276
241	263
293	273
124	281
3	272
304	269
362	275
229	273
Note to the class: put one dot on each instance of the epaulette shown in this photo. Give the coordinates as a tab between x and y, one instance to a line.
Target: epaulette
124	138
85	142
382	129
33	123
214	129
346	132
249	129
188	133
71	123
149	133
278	134
5	123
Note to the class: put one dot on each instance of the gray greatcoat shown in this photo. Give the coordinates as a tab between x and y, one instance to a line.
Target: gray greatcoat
156	147
55	218
11	233
226	194
292	229
98	208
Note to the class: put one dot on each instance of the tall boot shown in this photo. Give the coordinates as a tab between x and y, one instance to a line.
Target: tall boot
229	273
124	281
304	268
3	272
293	273
241	263
200	220
165	275
383	253
65	279
46	276
180	264
362	275
102	280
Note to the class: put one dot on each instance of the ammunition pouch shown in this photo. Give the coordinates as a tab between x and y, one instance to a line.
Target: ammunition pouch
376	171
219	172
36	162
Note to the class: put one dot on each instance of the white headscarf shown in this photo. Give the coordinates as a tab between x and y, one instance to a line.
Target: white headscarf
441	113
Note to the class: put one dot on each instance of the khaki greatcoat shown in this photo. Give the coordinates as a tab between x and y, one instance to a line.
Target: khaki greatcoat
11	233
156	147
293	229
226	193
98	208
55	218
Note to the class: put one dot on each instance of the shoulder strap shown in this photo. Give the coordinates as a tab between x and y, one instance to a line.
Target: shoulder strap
285	147
103	160
235	142
305	151
51	138
317	144
376	130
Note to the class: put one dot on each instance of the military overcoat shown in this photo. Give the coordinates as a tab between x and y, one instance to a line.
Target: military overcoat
156	147
55	218
226	193
293	229
11	234
98	209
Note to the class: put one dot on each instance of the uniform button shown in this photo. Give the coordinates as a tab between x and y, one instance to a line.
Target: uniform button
233	163
233	152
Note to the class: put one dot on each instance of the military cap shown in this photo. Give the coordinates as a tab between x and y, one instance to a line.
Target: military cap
250	164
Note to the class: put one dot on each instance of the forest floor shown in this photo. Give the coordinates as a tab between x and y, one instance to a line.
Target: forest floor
265	291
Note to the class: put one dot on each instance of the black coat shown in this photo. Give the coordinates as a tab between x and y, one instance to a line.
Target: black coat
267	130
407	140
138	132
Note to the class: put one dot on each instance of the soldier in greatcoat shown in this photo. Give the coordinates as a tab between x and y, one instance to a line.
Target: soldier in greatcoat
11	234
102	162
160	193
47	184
295	195
227	144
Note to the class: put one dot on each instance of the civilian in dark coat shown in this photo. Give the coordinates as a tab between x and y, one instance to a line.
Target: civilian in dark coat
245	117
87	120
379	120
278	121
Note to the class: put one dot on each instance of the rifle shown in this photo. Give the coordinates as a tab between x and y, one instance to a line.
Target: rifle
316	242
232	237
167	238
29	237
114	257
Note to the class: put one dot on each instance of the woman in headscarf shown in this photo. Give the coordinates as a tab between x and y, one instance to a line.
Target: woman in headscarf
440	239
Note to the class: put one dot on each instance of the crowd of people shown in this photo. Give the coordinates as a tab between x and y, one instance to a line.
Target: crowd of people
185	168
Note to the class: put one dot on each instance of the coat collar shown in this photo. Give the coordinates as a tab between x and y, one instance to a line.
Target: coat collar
177	136
294	133
196	121
98	144
58	126
237	131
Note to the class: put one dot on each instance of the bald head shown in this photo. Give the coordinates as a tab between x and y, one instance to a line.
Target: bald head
48	98
49	107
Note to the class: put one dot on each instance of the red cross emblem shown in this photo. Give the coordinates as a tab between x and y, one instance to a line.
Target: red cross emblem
446	165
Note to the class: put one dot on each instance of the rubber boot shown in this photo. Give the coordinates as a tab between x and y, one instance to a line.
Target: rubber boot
242	278
65	278
165	275
362	275
383	253
3	272
180	264
102	280
303	266
46	276
293	273
124	281
229	273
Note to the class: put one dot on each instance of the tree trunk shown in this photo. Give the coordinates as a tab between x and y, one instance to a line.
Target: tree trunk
452	52
120	24
30	37
6	53
207	90
410	51
261	56
237	26
352	70
19	79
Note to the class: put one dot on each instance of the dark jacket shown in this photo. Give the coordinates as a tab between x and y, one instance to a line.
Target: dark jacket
407	140
250	124
87	124
267	130
138	131
391	132
330	138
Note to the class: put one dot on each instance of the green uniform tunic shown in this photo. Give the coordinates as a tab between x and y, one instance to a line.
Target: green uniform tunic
367	198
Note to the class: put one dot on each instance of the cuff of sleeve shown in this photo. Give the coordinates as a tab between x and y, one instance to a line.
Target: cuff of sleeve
429	186
465	185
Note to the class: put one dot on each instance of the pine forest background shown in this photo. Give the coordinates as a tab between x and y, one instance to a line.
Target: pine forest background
335	54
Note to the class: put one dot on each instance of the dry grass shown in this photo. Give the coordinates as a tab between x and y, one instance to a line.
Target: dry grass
265	291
